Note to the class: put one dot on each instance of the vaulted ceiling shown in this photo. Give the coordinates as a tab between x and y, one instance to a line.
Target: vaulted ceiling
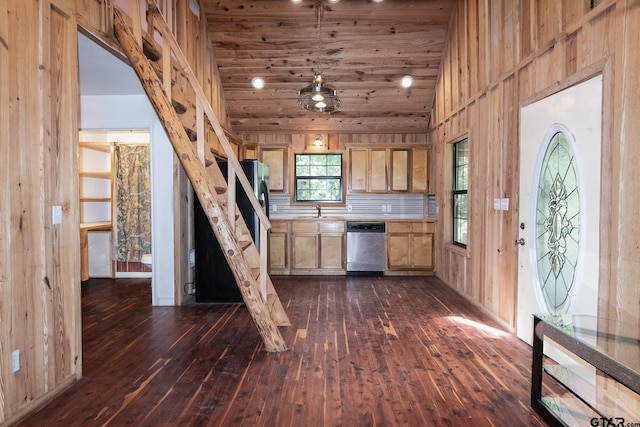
366	47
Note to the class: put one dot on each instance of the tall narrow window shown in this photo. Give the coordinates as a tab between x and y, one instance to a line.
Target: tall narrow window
460	192
318	177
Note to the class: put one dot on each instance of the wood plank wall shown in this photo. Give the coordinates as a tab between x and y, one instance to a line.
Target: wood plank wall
504	54
39	261
39	116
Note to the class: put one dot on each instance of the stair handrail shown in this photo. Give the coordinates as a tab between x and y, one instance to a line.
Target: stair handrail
233	162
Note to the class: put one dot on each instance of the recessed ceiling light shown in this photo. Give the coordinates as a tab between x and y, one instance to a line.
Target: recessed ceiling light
378	1
334	1
296	1
257	82
406	82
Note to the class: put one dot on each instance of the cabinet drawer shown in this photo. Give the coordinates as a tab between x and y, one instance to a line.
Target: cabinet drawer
304	227
330	227
398	227
423	227
278	226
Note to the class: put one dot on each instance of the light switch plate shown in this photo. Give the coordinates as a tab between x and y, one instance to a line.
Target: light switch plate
496	204
349	208
56	214
384	208
15	360
504	204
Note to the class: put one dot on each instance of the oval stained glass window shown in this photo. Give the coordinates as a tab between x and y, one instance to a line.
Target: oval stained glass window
557	224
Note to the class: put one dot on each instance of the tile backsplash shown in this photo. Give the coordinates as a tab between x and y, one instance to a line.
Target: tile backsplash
378	206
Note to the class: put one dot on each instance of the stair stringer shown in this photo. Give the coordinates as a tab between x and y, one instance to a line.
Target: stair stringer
212	203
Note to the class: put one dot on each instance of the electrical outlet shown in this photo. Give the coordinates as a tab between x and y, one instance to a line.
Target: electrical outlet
388	208
384	208
274	208
349	208
192	258
15	360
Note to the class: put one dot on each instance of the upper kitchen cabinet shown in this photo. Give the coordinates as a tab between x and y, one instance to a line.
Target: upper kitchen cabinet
382	170
277	159
368	170
419	170
399	170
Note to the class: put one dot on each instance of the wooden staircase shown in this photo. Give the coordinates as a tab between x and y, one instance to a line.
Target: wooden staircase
185	112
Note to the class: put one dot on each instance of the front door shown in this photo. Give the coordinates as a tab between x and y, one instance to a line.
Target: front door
558	241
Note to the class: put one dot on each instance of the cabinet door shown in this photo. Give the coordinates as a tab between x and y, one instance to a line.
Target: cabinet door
278	250
400	170
276	159
398	246
331	251
378	172
422	250
358	170
419	170
305	251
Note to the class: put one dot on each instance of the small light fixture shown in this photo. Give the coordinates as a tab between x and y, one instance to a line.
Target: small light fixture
296	1
318	141
406	82
257	83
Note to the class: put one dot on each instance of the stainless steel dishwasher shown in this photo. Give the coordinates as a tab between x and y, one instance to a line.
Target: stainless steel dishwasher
365	248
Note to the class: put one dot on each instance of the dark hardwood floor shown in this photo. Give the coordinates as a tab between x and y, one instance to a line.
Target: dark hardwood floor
364	351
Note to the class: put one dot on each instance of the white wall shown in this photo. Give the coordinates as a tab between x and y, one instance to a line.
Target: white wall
125	112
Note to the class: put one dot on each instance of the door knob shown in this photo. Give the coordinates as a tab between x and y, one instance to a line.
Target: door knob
520	241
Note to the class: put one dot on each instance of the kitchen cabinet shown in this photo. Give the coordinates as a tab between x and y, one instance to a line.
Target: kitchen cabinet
304	245
399	170
381	170
279	247
317	247
410	246
277	159
419	170
368	170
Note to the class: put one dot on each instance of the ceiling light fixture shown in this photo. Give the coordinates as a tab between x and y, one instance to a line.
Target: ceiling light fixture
318	141
318	96
406	82
257	82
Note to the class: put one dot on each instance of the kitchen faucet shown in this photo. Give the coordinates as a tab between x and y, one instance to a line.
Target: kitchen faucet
319	211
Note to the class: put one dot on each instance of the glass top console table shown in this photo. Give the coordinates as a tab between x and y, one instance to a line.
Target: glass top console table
612	395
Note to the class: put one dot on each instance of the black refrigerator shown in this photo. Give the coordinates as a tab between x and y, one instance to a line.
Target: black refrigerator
214	281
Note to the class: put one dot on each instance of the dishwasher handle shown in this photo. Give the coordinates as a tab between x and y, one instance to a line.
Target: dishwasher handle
365	227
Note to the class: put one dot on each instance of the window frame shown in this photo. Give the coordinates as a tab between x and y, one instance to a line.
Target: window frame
457	192
340	177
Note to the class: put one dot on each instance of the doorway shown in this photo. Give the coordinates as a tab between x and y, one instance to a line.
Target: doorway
112	98
124	157
560	144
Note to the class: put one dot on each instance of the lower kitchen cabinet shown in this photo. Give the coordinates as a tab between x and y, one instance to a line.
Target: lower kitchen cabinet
279	248
410	247
317	247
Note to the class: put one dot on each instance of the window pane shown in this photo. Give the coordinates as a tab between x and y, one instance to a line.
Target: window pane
557	223
460	185
318	177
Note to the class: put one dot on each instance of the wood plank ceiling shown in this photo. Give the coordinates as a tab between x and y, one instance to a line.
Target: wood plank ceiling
366	47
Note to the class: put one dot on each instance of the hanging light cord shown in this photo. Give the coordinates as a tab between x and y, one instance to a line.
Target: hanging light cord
319	14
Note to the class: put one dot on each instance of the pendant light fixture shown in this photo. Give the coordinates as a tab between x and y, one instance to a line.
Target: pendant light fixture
319	96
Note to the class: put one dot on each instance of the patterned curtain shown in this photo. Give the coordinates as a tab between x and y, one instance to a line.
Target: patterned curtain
133	202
